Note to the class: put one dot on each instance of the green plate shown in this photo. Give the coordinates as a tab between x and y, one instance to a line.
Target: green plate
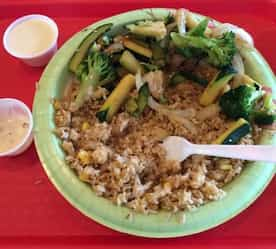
240	193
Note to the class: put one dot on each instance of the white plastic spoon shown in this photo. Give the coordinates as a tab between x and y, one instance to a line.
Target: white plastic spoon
179	149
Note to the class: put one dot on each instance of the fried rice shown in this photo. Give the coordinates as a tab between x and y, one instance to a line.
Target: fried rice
124	162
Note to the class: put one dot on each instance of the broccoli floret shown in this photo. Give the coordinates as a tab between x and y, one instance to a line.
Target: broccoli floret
100	68
219	51
97	70
155	29
240	102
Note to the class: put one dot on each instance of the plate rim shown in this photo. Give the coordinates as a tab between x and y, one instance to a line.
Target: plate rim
97	218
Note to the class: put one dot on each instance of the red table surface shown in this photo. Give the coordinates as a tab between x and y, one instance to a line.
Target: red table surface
34	214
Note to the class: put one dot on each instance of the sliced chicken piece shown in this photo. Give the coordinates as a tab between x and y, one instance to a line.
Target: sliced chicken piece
156	83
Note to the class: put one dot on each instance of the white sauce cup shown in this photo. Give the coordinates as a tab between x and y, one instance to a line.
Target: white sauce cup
10	106
39	59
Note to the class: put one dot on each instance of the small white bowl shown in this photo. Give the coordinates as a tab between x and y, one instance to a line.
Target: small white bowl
10	106
39	59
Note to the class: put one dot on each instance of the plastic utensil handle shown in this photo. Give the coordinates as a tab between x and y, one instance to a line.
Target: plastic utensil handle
245	152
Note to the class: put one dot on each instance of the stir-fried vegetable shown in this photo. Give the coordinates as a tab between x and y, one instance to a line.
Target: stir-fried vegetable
199	29
81	52
234	133
268	102
136	106
244	79
179	116
216	86
208	112
183	76
158	53
237	64
180	18
114	101
164	53
156	82
240	102
137	48
96	71
129	62
219	51
182	114
192	21
264	117
155	29
149	67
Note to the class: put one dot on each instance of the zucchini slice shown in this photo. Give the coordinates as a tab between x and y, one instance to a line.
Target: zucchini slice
264	118
129	62
82	50
158	53
244	79
215	87
234	133
268	101
155	29
137	48
143	97
136	106
247	80
131	105
182	76
142	100
114	101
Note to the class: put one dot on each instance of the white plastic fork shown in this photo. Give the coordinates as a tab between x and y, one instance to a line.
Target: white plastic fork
178	148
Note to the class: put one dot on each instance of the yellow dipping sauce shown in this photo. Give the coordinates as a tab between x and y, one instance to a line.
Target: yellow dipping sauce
13	129
30	37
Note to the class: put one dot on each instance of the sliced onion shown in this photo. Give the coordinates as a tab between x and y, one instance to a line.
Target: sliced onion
187	113
237	80
180	116
208	112
186	122
180	17
154	105
156	83
237	63
139	80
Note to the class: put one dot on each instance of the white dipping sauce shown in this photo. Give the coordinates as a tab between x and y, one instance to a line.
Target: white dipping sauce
13	130
30	37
